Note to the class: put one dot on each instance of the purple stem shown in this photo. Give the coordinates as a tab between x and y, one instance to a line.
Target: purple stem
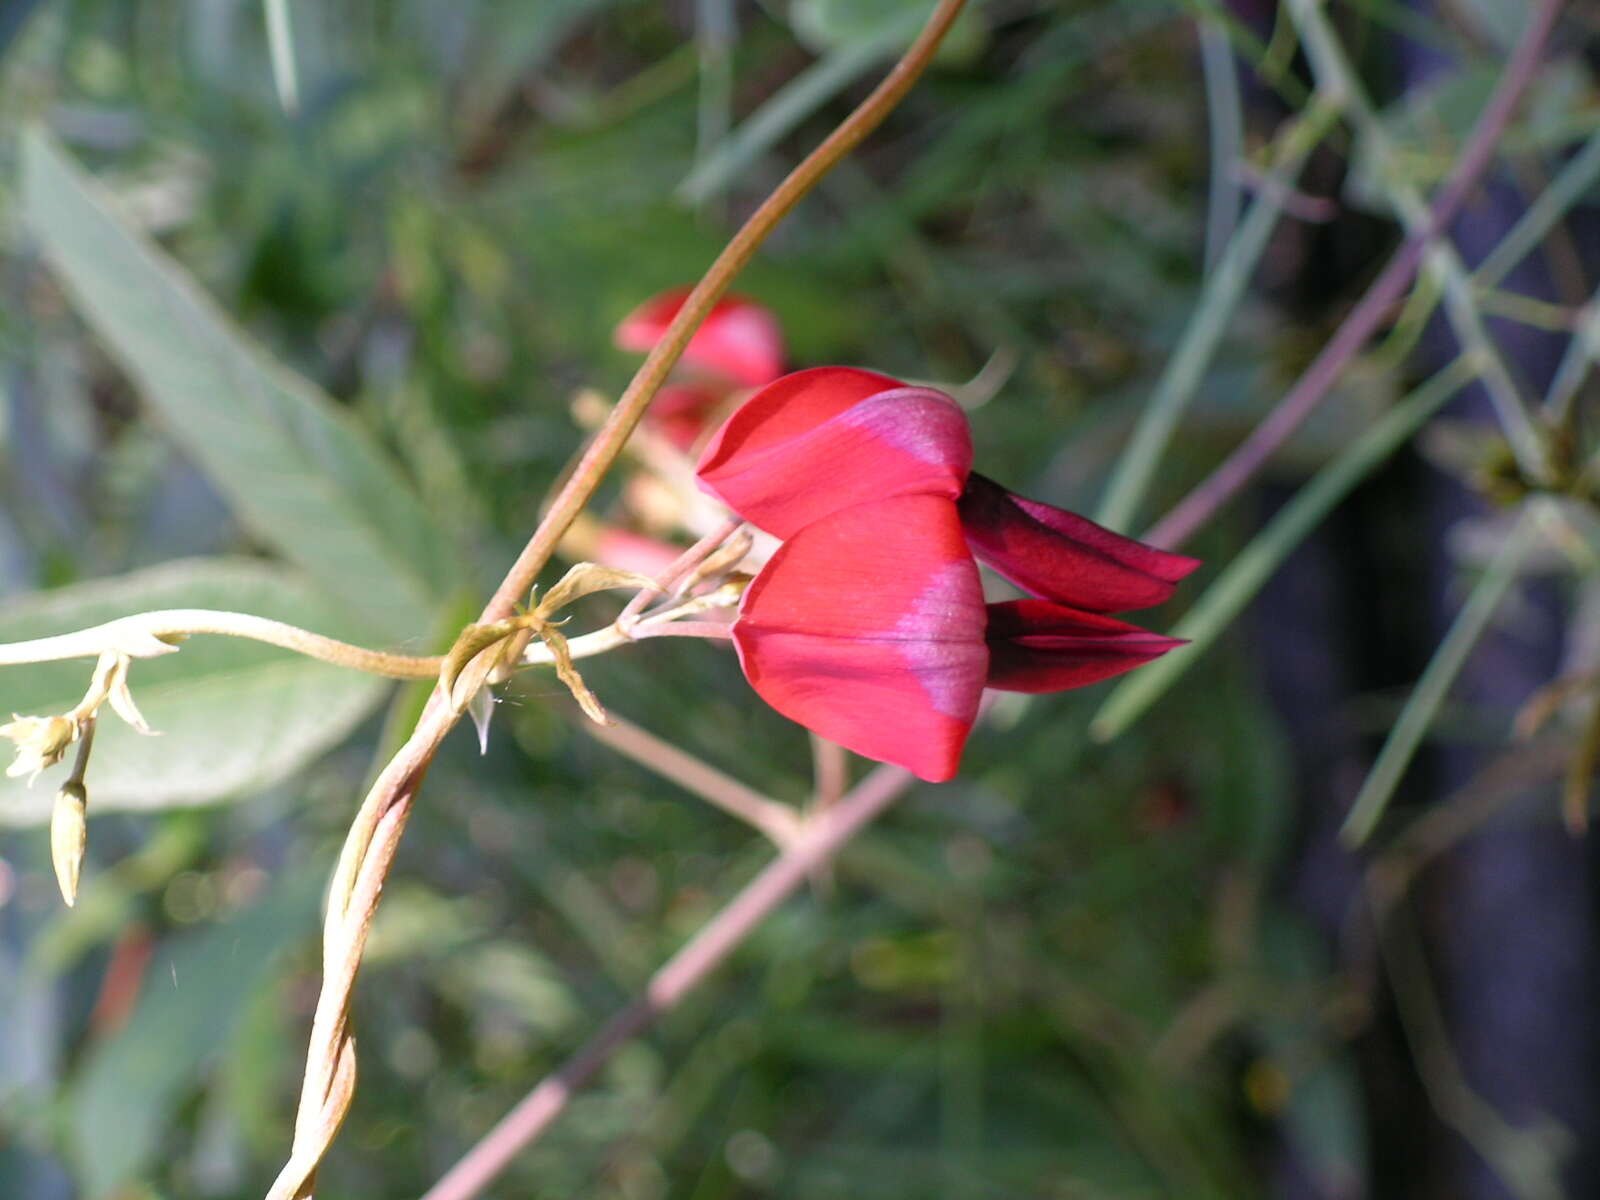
823	835
1179	525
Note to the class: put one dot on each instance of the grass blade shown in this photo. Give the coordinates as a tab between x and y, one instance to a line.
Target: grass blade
1245	575
1218	301
1422	706
791	104
280	45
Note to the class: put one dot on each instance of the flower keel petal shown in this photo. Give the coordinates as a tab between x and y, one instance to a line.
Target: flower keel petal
1060	556
1036	646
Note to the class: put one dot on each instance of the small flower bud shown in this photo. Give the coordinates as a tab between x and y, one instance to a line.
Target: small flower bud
69	835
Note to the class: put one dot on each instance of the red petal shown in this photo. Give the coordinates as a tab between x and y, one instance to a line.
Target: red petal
821	440
1064	557
867	628
739	339
1036	646
680	412
634	552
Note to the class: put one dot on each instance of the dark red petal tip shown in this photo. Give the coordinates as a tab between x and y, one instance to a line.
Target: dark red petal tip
1063	557
1036	646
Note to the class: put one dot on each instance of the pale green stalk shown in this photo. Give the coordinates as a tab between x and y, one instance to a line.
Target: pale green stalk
788	106
1422	706
1225	120
1565	190
280	46
1580	354
1218	301
1333	72
1245	575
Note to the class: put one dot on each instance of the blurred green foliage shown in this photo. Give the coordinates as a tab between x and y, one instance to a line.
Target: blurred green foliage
1057	977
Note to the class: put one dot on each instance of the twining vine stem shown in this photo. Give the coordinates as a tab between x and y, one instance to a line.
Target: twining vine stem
374	835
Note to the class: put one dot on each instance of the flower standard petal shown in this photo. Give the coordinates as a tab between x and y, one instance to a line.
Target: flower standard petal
867	627
739	339
819	441
1037	646
1064	557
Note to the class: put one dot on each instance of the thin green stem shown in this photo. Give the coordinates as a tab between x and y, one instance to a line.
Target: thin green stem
1553	203
780	114
1332	70
1526	310
1223	291
1245	575
280	46
151	634
1422	706
1579	356
714	37
1225	120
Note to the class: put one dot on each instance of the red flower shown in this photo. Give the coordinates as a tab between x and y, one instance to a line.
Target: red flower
739	341
738	346
681	411
868	625
634	552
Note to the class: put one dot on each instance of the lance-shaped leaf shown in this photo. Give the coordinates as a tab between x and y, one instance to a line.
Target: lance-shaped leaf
298	472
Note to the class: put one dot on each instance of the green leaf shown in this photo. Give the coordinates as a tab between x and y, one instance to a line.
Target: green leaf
300	474
233	716
197	990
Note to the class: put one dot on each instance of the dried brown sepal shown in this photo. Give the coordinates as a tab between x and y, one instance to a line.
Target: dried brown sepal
474	640
568	674
584	579
510	656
